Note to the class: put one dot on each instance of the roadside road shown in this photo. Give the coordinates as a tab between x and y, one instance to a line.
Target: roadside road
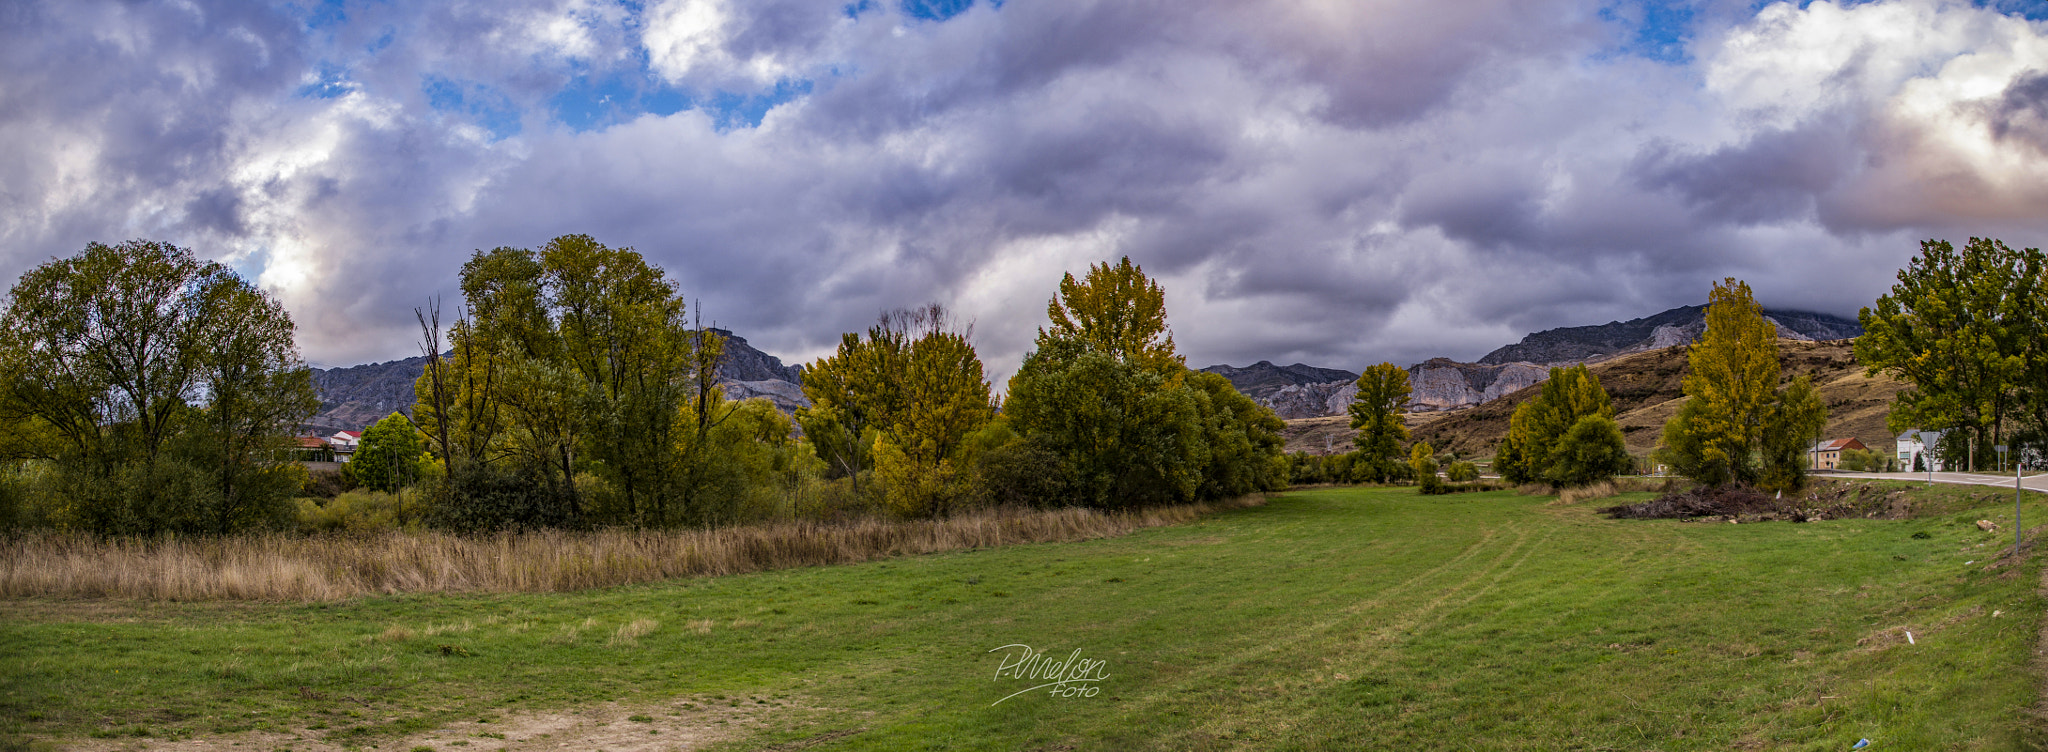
2031	482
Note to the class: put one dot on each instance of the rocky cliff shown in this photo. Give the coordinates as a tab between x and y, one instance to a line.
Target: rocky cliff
1678	326
352	398
1443	384
1301	391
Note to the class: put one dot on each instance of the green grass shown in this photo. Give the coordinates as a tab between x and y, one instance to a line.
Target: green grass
1328	619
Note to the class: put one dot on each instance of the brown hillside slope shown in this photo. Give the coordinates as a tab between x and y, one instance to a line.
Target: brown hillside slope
1646	391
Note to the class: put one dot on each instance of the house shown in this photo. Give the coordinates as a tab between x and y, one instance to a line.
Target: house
311	449
344	444
1827	455
1913	444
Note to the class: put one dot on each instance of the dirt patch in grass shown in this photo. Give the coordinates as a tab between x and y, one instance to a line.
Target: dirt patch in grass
681	725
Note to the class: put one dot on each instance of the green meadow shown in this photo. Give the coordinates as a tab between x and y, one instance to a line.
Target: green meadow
1335	618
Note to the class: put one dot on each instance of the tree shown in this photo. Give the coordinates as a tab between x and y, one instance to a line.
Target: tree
902	402
1965	330
576	359
1422	459
1105	393
1376	414
1590	452
1462	472
1535	448
388	456
1124	437
160	384
1119	311
256	390
1737	424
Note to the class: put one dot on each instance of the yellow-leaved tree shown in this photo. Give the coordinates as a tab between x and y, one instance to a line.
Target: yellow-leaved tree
1737	425
1119	312
1376	413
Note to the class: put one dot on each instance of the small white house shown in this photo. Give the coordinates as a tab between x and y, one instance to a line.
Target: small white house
344	444
1915	442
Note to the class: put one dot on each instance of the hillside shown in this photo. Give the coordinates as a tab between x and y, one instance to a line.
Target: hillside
354	397
1301	391
1646	391
1678	326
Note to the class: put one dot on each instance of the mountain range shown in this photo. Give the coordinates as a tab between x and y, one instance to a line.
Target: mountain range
352	398
1304	391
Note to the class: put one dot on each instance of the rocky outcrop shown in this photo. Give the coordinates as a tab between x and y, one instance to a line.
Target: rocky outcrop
352	398
1678	326
1443	384
786	396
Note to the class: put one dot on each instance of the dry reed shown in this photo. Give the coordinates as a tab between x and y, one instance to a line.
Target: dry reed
286	567
1610	487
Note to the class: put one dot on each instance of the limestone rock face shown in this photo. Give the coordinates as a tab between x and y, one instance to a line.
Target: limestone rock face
786	396
1311	400
1678	326
1443	384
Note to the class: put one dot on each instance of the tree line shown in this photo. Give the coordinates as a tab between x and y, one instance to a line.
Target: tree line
148	392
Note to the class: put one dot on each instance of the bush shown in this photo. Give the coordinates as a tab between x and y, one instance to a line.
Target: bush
1432	485
1462	472
360	511
1592	451
1020	474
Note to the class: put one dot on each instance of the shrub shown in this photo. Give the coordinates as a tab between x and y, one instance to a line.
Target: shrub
1021	474
359	511
1462	472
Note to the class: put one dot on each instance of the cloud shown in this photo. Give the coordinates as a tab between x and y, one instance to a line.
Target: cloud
1336	183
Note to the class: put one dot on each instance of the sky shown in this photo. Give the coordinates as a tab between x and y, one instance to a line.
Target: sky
1337	182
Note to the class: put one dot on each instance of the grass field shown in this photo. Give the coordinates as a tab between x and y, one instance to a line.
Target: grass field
1327	619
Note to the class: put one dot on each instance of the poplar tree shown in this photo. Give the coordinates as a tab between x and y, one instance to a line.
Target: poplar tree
1376	414
1737	423
1118	311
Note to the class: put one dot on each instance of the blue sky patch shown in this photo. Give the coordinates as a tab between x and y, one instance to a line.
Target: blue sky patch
479	103
935	10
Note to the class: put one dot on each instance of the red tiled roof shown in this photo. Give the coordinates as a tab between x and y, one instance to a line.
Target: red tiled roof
311	442
351	434
1834	445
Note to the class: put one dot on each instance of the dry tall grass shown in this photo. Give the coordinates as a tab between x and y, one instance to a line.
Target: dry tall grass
285	567
1601	490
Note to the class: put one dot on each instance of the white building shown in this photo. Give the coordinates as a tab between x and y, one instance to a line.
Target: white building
344	444
1915	442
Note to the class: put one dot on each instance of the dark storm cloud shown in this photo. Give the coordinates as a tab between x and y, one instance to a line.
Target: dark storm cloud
1337	183
1771	177
2021	112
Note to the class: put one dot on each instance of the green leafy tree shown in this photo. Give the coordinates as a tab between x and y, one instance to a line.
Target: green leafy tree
1376	414
1737	425
1964	328
901	401
574	359
160	385
1106	394
1591	451
257	389
1462	472
1535	448
388	456
1125	439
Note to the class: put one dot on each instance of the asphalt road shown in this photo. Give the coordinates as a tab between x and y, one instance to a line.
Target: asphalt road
2031	482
